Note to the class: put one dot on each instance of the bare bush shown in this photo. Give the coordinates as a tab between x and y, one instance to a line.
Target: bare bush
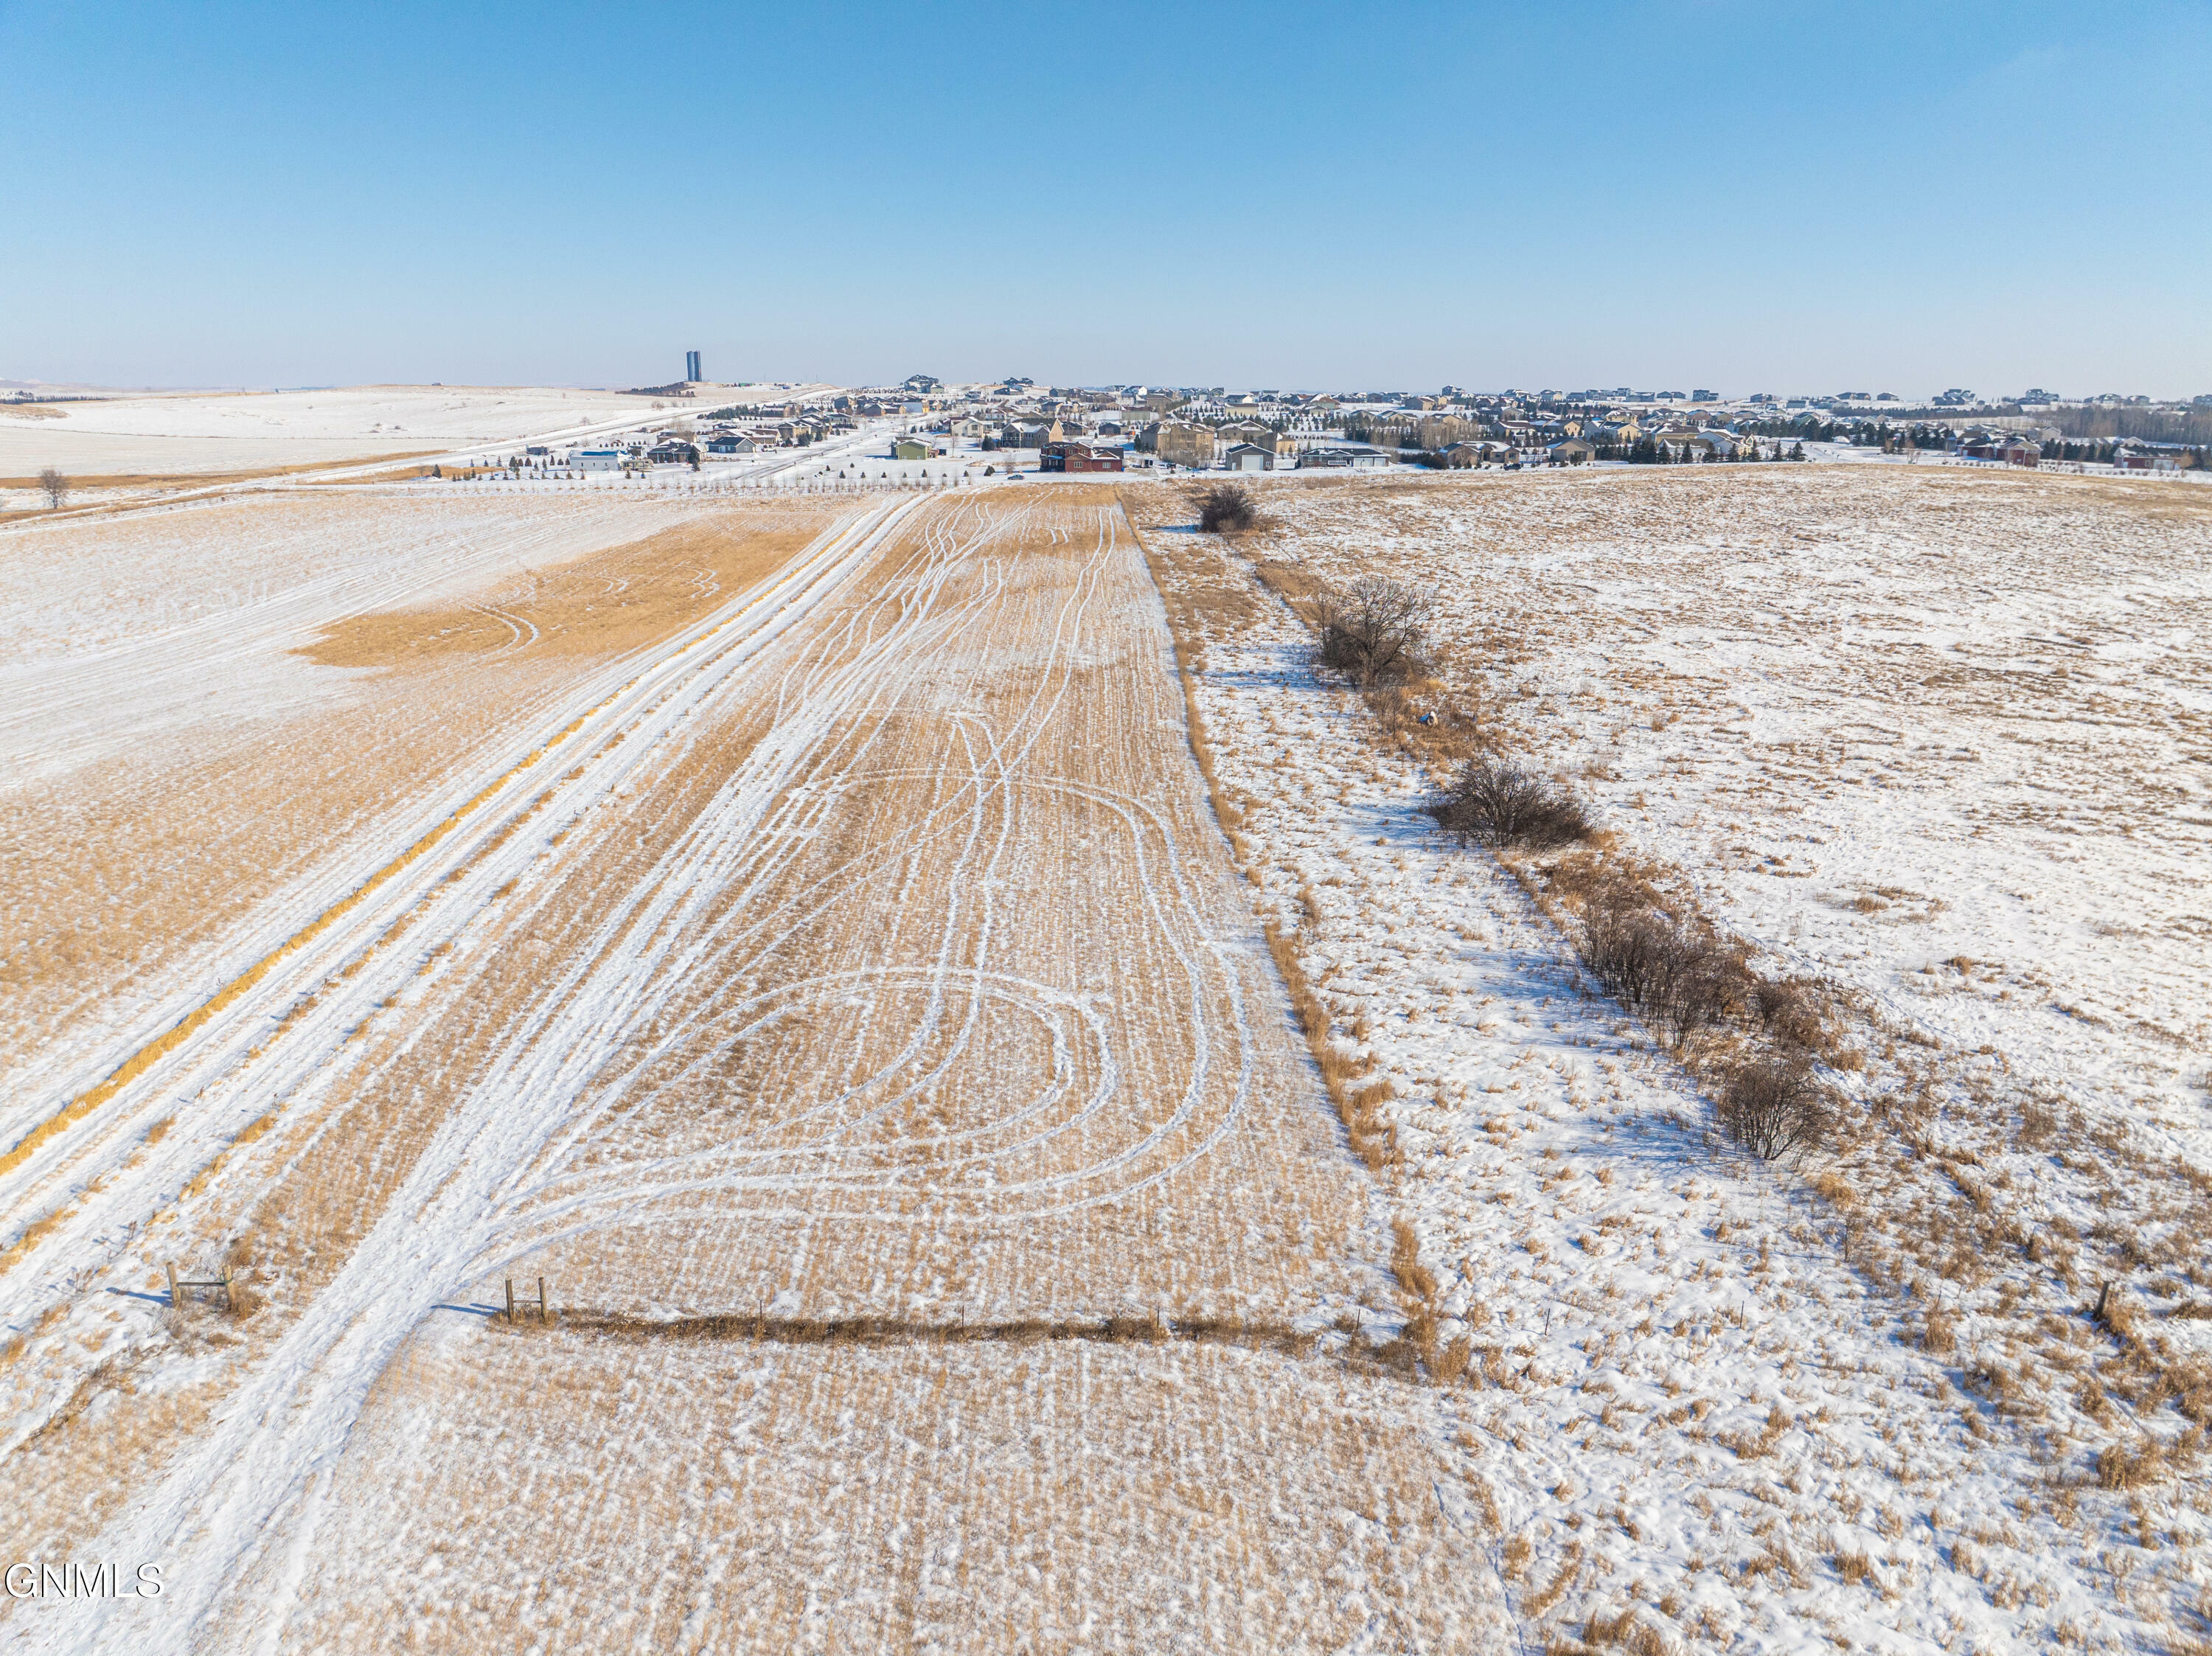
1773	1106
55	486
1676	976
1374	628
1225	508
1500	805
1795	1012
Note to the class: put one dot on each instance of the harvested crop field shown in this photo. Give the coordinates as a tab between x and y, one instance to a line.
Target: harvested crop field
832	980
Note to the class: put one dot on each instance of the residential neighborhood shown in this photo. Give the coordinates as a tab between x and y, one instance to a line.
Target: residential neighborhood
923	431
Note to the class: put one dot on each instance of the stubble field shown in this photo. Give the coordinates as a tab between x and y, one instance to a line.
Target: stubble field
840	947
849	1008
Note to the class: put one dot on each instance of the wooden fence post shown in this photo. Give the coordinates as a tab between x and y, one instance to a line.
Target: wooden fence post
175	1298
510	1299
229	1288
541	1299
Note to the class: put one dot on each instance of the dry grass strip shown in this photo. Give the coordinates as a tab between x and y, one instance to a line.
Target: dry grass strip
1345	1340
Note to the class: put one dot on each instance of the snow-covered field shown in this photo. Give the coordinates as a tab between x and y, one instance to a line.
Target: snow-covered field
836	986
1939	737
183	433
209	707
794	926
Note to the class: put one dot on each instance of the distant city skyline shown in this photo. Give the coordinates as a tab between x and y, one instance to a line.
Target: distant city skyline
1718	194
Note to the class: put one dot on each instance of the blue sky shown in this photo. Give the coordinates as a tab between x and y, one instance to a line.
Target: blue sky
1744	197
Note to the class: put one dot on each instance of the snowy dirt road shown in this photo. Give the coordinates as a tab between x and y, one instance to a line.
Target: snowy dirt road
868	950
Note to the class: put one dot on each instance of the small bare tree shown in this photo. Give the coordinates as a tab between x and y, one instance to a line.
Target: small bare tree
55	486
1374	630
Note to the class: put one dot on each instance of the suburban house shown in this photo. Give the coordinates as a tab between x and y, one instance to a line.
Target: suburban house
1259	435
914	448
1682	445
1570	451
1077	456
1477	453
674	453
1180	443
597	459
1249	457
730	444
1442	431
1355	457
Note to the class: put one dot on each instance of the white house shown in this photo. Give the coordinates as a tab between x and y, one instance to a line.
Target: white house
599	460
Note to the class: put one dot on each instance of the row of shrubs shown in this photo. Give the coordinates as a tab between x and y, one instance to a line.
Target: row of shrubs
1676	972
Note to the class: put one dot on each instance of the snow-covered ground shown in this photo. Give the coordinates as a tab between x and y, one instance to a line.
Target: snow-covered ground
189	432
860	946
1877	720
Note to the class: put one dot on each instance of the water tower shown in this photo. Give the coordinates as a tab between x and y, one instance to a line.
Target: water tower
692	367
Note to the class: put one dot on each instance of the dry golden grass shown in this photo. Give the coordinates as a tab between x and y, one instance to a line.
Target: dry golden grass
1009	1210
863	892
603	604
120	870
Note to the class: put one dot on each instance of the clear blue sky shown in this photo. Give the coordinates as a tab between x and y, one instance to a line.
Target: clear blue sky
1740	195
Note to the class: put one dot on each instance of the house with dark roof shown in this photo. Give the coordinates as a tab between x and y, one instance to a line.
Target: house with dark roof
1078	457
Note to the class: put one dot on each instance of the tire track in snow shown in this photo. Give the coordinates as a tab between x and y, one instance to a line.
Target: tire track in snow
179	1068
255	1477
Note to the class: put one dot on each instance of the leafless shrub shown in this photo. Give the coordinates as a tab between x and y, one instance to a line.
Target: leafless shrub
1854	1567
1795	1012
1672	973
1773	1106
1374	628
1500	805
1225	508
54	486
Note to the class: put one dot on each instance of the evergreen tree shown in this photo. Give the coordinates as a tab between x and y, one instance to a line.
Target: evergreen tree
1797	451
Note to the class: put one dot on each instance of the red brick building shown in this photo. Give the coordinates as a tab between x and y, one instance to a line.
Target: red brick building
1077	456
